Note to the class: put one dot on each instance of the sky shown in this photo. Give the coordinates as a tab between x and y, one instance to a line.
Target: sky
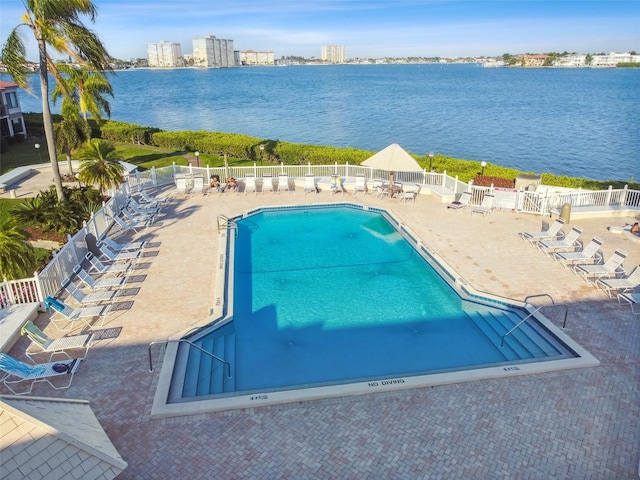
367	28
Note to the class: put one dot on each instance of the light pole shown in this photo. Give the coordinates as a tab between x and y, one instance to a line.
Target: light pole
483	164
261	152
197	154
430	159
37	145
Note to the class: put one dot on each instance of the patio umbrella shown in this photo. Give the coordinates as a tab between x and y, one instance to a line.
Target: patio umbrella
393	159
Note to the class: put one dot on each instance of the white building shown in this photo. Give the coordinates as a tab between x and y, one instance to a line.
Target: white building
334	53
11	120
572	61
612	59
212	52
249	57
165	54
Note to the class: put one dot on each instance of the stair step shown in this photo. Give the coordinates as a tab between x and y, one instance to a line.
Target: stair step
490	332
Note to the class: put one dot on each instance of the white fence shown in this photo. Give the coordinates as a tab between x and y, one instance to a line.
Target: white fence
48	282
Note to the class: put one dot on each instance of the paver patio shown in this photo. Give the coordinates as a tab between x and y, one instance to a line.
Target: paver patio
582	423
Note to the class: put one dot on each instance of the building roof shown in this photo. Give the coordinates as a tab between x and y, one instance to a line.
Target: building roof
4	85
51	436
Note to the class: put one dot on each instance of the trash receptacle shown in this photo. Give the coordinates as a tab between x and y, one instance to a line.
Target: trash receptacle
565	213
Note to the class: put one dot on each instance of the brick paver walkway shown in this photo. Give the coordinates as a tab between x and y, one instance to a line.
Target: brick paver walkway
574	424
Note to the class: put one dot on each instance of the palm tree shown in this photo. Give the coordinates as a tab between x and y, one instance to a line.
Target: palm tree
100	164
71	132
55	24
17	258
86	89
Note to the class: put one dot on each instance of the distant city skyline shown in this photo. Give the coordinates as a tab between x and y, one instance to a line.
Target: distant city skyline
368	28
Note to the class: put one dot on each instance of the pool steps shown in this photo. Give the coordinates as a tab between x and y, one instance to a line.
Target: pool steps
205	375
524	343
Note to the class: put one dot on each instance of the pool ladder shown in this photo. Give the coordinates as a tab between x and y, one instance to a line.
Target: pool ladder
521	322
191	344
225	223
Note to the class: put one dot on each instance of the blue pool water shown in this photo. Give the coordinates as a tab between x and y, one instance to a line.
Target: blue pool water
333	295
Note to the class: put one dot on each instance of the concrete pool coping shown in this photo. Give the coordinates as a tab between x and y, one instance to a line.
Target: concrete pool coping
224	277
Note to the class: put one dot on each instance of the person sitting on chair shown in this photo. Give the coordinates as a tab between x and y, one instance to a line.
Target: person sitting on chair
232	184
215	184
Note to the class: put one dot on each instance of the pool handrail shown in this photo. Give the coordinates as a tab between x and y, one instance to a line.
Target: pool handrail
191	344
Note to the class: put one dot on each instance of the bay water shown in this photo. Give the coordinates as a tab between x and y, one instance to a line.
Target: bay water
575	122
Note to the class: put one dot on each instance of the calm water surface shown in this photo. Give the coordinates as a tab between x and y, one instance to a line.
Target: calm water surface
576	122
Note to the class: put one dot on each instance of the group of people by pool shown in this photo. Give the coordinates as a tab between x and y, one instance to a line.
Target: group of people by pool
230	186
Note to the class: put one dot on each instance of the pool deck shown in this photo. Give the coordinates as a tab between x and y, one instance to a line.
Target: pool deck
582	423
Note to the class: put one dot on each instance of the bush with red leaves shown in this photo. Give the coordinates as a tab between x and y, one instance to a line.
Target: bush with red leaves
486	181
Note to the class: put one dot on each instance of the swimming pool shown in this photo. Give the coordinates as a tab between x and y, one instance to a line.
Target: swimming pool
345	298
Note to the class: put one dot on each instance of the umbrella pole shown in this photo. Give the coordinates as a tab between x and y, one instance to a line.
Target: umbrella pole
390	181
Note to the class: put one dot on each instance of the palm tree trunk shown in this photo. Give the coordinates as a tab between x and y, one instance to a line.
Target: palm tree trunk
48	120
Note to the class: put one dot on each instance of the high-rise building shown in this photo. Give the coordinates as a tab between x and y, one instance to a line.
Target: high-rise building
249	57
165	54
334	53
213	52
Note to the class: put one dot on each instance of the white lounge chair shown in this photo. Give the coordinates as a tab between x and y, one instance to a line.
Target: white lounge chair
283	183
142	209
409	193
462	202
250	183
589	252
608	269
198	185
107	255
267	183
152	200
107	270
632	298
97	284
310	184
130	216
64	314
554	231
135	226
620	285
41	343
336	184
181	186
123	247
486	206
86	299
17	372
360	185
570	241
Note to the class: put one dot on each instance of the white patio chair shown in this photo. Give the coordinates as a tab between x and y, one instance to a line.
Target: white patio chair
620	285
310	184
88	299
123	247
152	200
97	284
591	273
591	251
570	241
486	206
410	193
130	216
142	209
198	185
95	265
336	184
462	202
250	184
68	316
283	183
135	226
554	231
42	343
360	185
181	186
17	372
267	183
632	298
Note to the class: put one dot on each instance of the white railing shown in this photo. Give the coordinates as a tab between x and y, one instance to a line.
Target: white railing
25	290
